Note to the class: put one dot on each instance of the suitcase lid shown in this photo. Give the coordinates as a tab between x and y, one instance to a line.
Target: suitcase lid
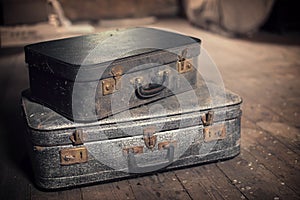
48	124
98	53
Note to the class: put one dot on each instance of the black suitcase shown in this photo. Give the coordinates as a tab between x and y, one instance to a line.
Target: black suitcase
90	77
176	131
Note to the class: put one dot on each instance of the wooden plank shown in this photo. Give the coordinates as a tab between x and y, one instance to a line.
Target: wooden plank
255	109
253	179
158	186
37	194
259	147
263	158
207	182
273	147
12	167
278	102
287	134
14	184
258	114
117	190
259	171
71	194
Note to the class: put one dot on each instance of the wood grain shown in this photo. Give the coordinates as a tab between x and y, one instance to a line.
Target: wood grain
158	186
109	191
207	182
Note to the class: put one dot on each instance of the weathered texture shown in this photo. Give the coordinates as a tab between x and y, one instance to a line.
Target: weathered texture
108	140
263	69
70	75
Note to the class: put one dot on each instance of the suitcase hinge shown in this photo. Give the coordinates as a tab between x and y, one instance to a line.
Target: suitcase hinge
183	65
76	137
212	132
207	119
149	137
110	85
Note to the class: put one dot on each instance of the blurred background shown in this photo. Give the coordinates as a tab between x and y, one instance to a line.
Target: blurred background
27	21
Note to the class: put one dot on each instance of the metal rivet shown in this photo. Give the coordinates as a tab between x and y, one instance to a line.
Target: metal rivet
107	87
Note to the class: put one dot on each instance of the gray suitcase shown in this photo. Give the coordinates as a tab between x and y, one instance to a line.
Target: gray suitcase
78	77
176	131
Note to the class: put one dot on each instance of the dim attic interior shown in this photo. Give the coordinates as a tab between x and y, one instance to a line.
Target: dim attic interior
104	113
125	99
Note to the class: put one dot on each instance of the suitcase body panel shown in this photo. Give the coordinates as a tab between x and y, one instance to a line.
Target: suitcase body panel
78	77
111	152
187	152
87	102
117	148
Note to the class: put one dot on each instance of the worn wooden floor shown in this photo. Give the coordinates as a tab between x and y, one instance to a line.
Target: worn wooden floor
264	70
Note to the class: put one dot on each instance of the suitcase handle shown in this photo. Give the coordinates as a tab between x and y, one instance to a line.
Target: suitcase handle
134	168
152	90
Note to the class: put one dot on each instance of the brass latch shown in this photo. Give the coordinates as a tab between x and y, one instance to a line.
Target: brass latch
166	144
183	65
134	150
207	119
215	132
75	155
110	85
149	137
69	156
212	132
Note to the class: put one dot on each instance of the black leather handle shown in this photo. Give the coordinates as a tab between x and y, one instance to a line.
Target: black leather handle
134	168
152	89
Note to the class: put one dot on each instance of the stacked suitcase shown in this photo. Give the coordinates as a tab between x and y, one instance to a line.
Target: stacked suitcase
121	103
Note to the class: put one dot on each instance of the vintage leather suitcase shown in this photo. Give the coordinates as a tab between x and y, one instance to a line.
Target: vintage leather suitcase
90	77
173	132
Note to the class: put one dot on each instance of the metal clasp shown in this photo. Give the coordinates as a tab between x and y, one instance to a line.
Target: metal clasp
212	132
166	144
183	65
70	156
76	137
207	119
110	85
149	137
215	132
134	150
75	155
